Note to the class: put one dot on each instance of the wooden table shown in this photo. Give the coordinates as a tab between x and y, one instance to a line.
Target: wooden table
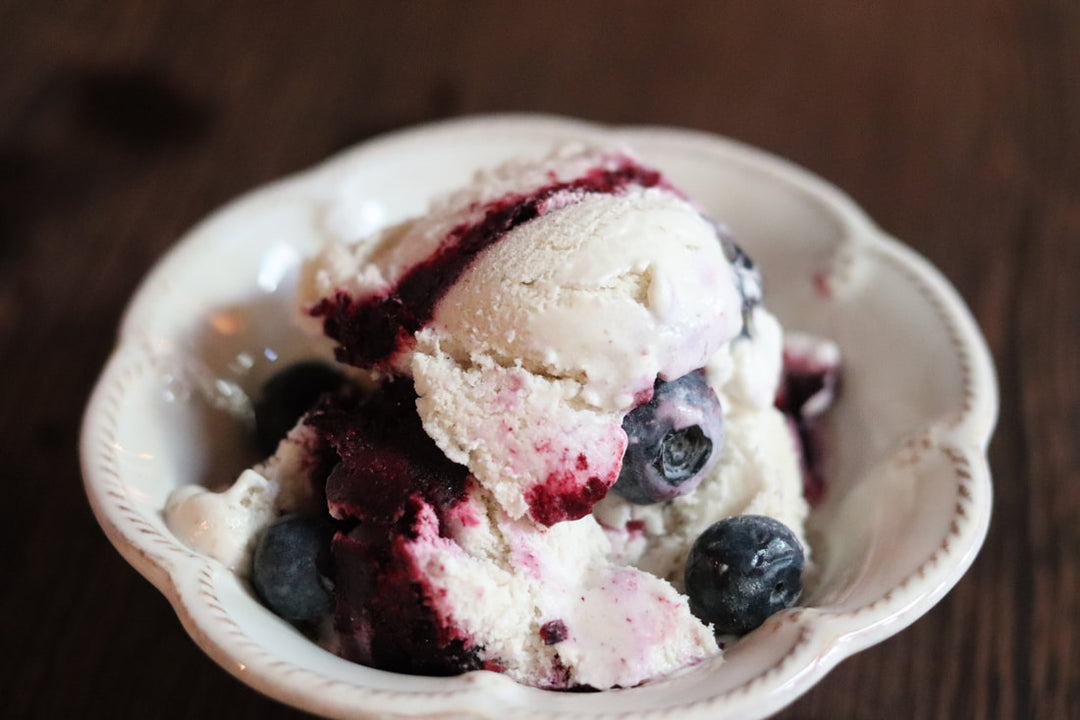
957	127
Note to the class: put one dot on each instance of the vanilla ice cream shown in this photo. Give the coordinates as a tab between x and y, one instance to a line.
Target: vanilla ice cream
511	332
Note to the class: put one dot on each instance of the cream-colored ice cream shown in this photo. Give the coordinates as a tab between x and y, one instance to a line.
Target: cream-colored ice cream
557	329
531	313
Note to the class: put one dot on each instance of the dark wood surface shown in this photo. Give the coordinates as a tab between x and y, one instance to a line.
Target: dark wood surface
956	125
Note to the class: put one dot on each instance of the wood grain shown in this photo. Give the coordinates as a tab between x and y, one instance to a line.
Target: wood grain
957	127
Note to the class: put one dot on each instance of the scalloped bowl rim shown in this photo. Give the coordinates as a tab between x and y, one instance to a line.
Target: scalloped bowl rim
817	639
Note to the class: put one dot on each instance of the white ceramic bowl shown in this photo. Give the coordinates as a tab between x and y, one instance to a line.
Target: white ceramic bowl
909	491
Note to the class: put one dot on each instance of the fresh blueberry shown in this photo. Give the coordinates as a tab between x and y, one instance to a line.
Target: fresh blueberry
285	569
287	396
674	440
747	276
741	570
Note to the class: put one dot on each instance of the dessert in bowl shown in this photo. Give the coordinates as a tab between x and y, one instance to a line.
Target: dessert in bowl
907	496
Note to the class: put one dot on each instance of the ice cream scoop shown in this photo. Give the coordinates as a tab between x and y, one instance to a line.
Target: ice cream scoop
533	314
570	376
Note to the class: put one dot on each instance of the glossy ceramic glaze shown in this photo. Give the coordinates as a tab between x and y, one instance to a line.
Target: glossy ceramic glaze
909	491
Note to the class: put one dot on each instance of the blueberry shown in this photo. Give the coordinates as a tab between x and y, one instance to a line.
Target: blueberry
741	570
747	276
287	396
674	440
285	569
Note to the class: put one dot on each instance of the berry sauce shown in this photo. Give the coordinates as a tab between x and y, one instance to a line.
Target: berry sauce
389	485
807	387
371	331
562	497
553	632
385	459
